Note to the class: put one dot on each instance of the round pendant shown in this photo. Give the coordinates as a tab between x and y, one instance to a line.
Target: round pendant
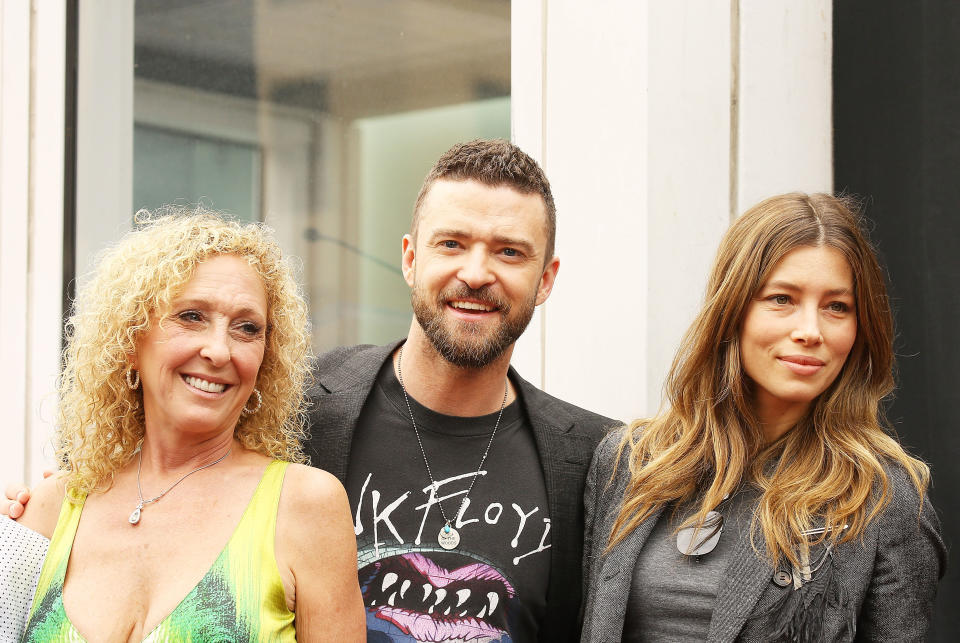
448	537
699	541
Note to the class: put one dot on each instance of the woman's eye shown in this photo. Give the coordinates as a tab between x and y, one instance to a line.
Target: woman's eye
838	307
780	300
190	316
250	328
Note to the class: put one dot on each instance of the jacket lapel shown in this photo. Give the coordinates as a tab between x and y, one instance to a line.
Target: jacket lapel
336	406
564	458
615	576
744	579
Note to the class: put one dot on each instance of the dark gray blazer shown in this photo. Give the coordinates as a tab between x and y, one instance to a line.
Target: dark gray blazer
887	579
565	436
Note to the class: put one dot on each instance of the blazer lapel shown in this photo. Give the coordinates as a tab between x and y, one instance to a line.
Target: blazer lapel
337	404
614	577
744	579
332	425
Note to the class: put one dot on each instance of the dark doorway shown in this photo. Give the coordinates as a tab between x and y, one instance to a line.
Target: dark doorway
897	144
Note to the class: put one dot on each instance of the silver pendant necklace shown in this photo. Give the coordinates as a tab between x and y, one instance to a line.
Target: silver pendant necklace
135	515
449	537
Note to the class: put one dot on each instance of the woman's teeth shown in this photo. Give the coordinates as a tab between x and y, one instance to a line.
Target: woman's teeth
204	385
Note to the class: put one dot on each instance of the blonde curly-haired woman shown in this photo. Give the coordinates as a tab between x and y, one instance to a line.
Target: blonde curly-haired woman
182	513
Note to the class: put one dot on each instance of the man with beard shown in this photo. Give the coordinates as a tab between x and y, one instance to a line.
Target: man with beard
465	480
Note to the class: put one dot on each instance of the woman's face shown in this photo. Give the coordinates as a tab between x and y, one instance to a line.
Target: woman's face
198	364
798	331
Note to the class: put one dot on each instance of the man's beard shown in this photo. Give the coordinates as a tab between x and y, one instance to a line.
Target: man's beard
469	345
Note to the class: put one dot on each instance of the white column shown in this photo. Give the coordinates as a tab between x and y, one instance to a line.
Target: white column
527	80
32	55
14	226
45	322
786	95
596	139
659	121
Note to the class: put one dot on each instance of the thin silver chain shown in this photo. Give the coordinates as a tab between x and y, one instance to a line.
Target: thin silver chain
143	502
424	453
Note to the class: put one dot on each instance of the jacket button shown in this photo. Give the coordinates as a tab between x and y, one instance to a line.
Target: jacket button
782	578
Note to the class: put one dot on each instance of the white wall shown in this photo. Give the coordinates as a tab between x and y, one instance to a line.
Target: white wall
32	39
657	123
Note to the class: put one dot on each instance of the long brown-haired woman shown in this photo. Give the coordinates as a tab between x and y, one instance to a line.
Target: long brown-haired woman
766	501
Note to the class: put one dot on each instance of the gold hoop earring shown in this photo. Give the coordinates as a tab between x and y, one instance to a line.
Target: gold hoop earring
247	411
133	381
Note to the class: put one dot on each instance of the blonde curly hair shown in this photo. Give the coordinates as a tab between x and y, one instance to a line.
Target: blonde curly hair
100	419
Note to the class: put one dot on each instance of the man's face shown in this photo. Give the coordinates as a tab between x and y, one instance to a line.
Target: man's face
477	268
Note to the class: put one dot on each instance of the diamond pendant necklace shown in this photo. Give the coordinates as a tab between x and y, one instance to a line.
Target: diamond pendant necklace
135	515
448	538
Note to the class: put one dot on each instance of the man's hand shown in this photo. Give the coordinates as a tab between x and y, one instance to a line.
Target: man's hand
18	495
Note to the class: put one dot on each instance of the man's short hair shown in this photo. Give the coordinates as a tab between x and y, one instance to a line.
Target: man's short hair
493	162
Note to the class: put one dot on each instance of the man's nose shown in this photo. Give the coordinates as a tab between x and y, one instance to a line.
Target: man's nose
475	271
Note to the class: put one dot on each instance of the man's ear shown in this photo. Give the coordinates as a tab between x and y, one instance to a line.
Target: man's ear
547	280
408	259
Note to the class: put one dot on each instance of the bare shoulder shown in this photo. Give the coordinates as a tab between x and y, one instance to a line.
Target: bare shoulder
308	488
41	513
313	516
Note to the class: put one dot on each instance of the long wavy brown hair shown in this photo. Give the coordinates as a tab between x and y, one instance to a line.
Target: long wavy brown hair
706	441
101	423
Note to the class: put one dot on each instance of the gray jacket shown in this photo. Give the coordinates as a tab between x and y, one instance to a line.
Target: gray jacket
887	579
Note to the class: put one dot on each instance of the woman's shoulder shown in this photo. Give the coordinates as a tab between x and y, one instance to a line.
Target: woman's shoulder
612	453
308	487
907	498
314	512
46	499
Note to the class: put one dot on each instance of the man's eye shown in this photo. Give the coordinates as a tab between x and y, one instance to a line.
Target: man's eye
511	252
450	244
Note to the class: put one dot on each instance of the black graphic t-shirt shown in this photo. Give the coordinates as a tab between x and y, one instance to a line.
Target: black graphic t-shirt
493	585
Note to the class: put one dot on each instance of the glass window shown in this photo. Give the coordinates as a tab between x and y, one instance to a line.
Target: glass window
320	118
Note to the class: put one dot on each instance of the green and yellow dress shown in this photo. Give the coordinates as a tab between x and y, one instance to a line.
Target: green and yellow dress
241	597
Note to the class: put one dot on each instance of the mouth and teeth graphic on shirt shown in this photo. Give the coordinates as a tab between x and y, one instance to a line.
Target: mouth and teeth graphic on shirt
431	603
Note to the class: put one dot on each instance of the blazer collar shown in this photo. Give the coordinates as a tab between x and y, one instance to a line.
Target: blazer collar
746	576
359	370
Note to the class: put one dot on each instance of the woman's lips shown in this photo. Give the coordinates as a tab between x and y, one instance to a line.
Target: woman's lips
801	364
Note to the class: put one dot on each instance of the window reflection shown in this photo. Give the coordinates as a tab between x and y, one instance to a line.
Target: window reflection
320	118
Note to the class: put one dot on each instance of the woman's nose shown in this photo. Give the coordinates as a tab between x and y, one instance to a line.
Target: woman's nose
807	330
216	347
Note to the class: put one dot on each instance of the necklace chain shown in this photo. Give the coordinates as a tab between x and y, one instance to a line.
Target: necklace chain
424	453
143	502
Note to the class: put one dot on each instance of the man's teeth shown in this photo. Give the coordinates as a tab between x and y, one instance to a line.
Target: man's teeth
471	305
204	385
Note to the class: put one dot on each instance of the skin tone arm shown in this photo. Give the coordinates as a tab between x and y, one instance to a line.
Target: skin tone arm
317	554
44	508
